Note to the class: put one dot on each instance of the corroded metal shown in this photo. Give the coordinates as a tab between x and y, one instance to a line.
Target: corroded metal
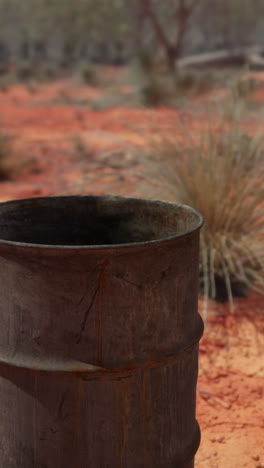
99	333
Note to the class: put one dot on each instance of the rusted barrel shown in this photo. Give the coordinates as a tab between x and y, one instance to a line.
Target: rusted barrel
99	333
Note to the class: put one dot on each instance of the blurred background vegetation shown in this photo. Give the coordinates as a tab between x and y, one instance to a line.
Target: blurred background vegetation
101	31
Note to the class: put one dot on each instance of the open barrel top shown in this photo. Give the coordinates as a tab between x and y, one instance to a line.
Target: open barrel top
90	221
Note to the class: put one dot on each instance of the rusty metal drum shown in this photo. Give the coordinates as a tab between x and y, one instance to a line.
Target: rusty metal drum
99	333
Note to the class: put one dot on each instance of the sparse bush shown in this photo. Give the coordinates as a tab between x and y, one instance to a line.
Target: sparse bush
4	70
192	82
145	62
112	99
243	88
6	81
185	80
4	85
163	89
155	93
88	74
220	173
10	164
49	72
25	71
32	88
82	152
6	152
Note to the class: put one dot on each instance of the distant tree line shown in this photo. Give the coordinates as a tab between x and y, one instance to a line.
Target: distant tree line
115	31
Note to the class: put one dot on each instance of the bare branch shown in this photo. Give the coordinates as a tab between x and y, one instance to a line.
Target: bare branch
183	15
148	6
140	22
193	5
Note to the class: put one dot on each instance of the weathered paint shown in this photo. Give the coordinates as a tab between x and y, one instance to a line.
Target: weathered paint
99	335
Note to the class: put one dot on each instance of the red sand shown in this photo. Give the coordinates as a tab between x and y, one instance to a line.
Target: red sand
230	405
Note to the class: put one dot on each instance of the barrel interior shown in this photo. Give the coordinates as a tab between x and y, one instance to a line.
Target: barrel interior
93	220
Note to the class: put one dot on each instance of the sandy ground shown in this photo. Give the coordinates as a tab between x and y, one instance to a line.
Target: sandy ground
47	122
230	404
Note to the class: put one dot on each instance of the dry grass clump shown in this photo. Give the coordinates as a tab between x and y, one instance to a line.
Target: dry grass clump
220	173
88	74
193	82
145	62
30	72
161	89
155	93
243	87
25	71
12	163
82	151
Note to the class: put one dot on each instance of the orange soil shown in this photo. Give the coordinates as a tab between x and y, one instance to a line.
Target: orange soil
230	406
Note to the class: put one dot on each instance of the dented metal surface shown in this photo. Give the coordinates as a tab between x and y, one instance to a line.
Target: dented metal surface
99	335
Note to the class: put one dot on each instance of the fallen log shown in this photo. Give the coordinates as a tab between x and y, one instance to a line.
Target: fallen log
236	56
256	61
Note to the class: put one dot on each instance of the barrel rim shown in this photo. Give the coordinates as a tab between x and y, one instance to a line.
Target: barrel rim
104	247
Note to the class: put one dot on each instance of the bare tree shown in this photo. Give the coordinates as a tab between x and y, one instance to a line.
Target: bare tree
182	14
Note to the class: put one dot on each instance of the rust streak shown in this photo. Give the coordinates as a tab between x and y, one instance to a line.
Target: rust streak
129	369
124	280
100	283
89	273
99	310
84	321
60	406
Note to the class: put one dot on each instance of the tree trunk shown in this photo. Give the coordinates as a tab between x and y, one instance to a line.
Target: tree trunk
171	56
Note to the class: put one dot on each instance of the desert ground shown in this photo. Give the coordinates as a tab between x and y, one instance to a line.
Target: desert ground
65	143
